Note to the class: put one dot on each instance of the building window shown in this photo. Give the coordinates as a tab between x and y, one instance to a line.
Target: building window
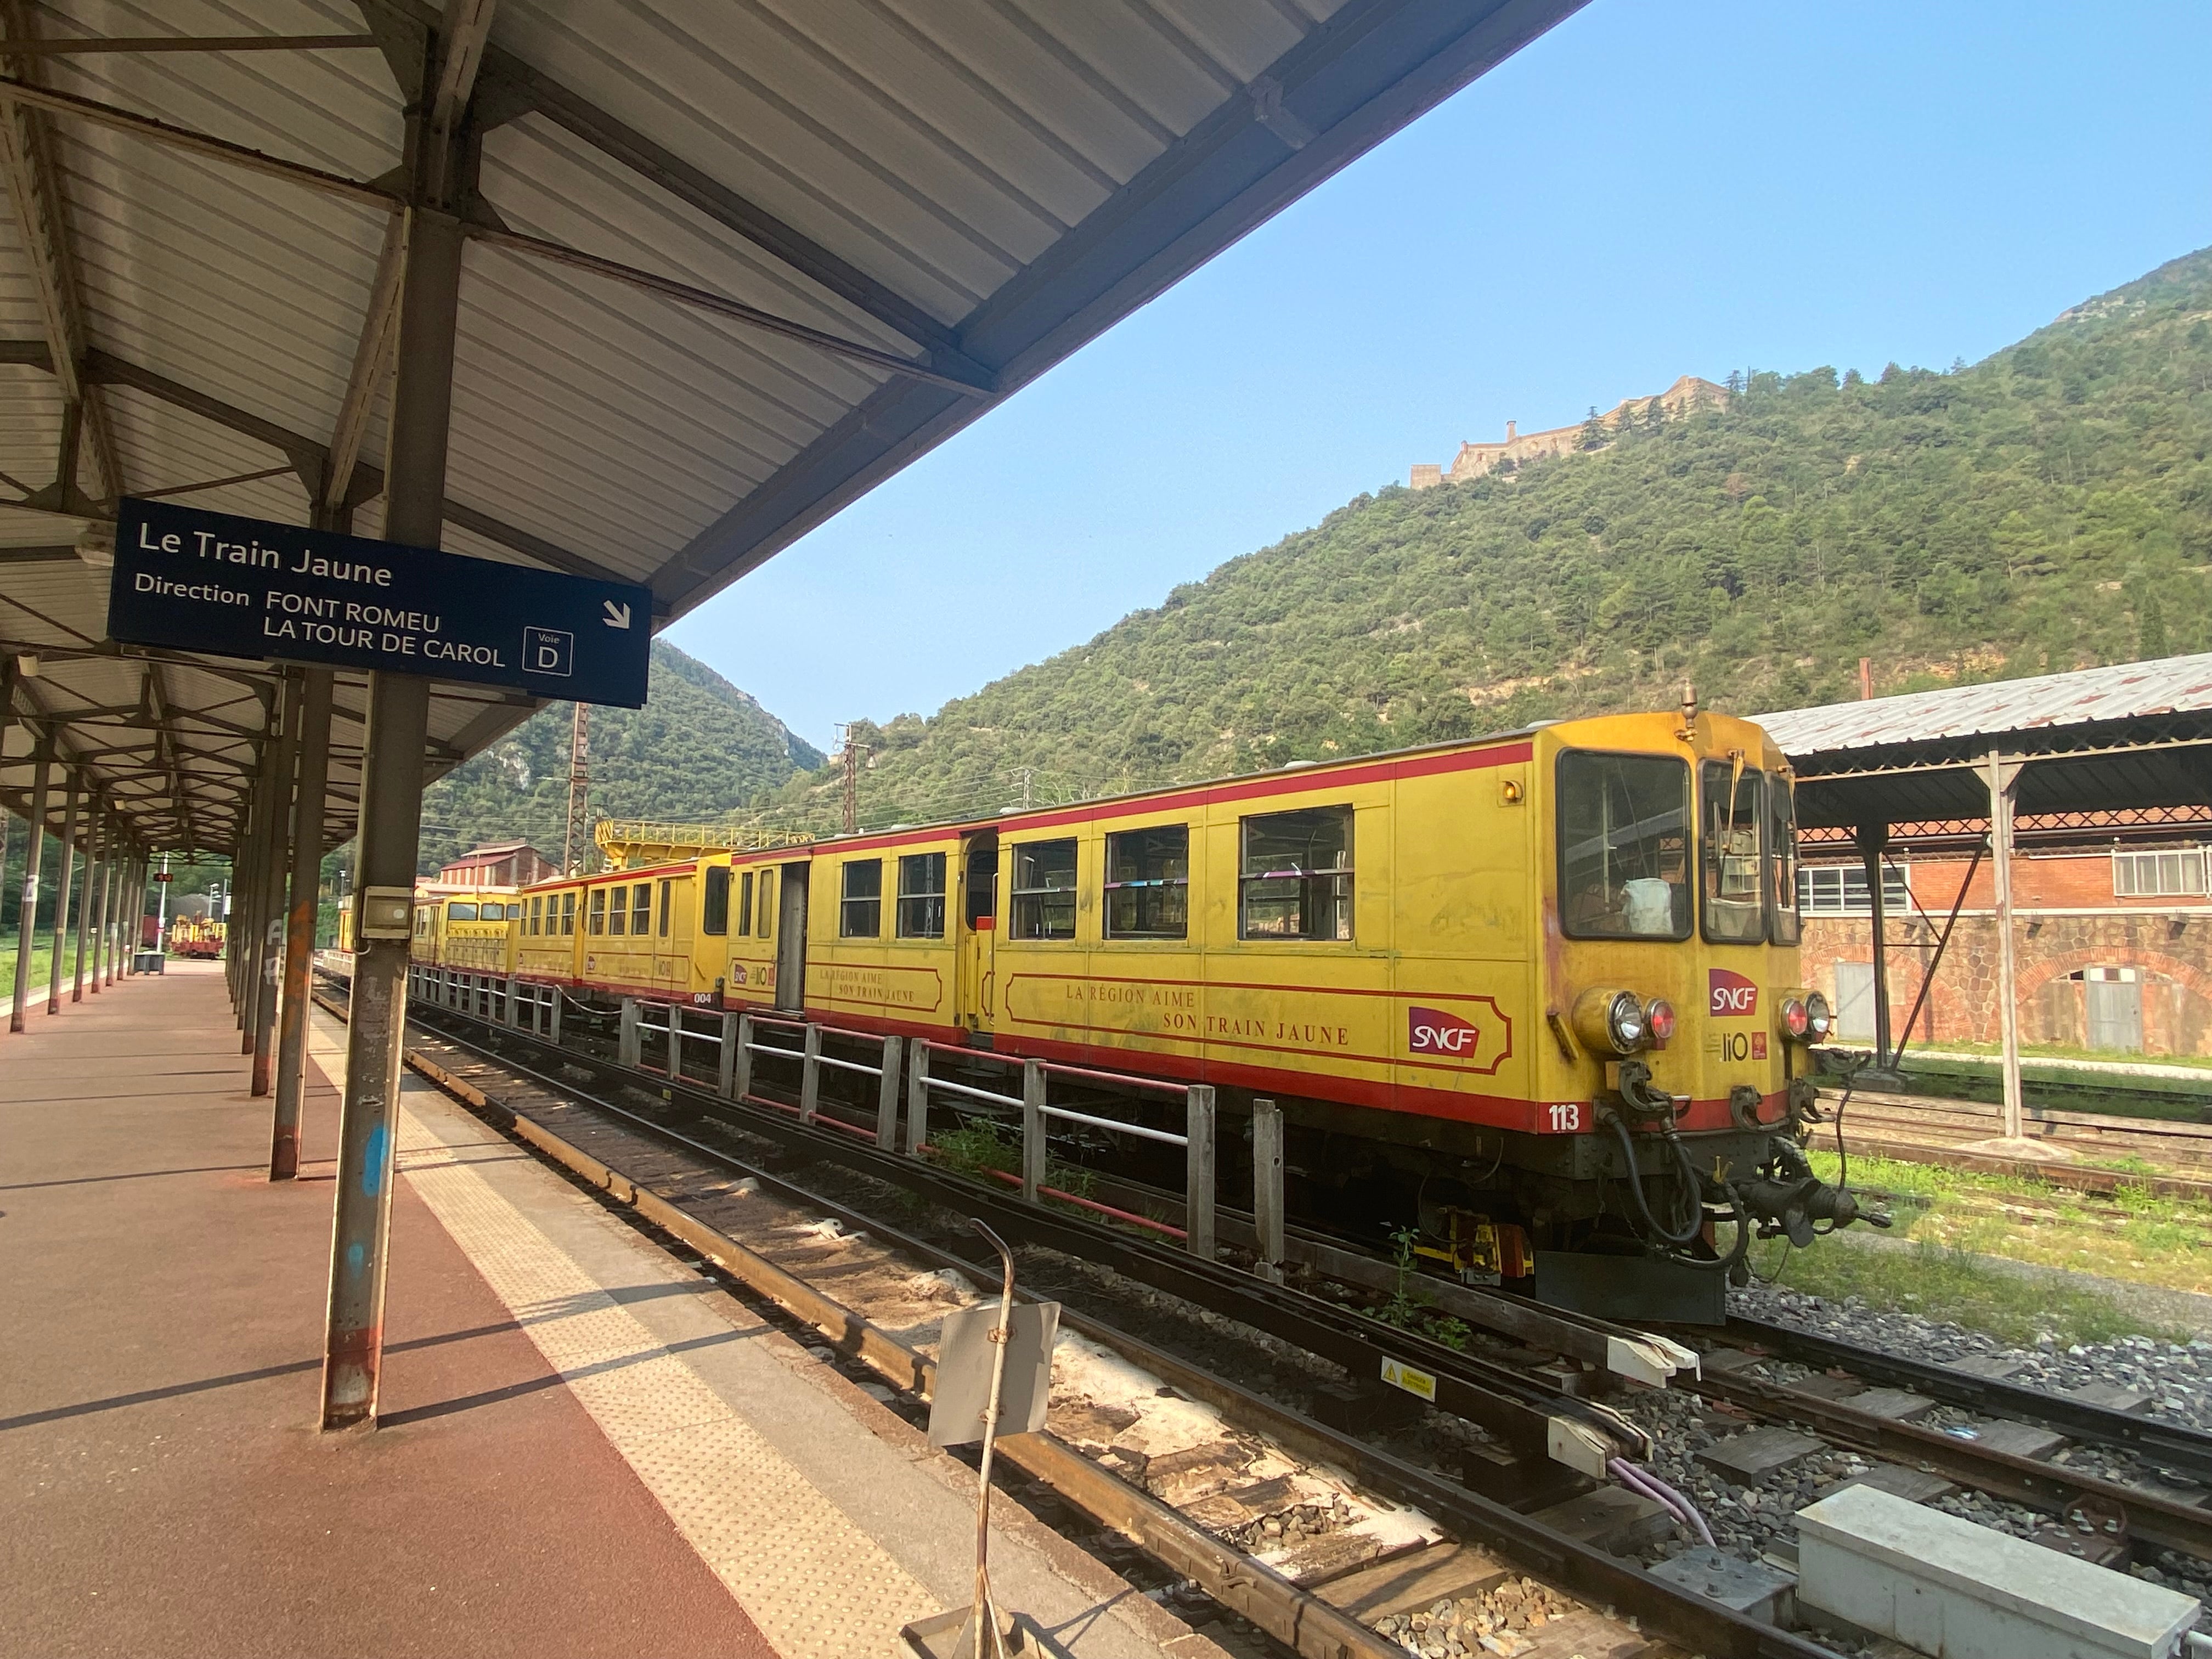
1148	882
861	914
921	895
567	913
1044	890
1840	890
600	911
2157	875
1295	877
745	903
715	910
641	916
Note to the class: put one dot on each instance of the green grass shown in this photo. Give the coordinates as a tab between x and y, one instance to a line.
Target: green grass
41	967
2069	1051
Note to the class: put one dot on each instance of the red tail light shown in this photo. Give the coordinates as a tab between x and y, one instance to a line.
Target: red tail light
1794	1019
1659	1020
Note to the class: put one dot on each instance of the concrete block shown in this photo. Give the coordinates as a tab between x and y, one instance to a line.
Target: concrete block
1897	1405
1749	1458
1752	1588
1913	1486
1946	1586
1995	1366
2110	1396
2020	1439
1611	1518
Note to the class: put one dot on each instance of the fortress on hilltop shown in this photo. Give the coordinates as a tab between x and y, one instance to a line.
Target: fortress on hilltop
1474	460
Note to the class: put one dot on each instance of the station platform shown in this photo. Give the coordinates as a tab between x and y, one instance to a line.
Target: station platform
585	1446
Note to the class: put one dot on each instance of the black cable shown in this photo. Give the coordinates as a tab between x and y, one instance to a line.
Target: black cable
1635	1189
1737	1251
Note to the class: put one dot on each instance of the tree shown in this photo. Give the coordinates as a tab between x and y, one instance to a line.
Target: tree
1593	436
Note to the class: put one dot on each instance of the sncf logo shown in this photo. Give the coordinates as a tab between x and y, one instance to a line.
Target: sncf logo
1734	997
1432	1031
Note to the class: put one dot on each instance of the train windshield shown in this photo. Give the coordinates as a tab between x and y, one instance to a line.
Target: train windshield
1782	856
1735	884
1624	846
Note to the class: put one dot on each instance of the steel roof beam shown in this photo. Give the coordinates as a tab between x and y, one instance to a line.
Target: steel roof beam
27	159
371	366
154	43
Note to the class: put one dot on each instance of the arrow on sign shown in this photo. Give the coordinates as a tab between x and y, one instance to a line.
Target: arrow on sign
617	615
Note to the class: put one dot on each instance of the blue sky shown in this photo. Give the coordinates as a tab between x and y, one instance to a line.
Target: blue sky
1657	187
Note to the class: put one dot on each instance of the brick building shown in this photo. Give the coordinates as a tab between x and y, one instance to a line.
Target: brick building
498	864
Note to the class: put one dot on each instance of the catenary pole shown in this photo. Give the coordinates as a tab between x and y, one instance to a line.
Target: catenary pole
27	921
392	807
313	762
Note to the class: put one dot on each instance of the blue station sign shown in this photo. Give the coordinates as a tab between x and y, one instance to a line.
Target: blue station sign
246	588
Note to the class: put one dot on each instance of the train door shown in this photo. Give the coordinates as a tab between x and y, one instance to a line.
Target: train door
790	940
979	927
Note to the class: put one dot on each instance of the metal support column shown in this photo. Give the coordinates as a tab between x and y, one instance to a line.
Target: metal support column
392	811
1873	839
242	935
1268	1189
1034	1146
110	837
313	756
64	882
95	824
1200	1124
2004	784
887	1096
275	865
27	922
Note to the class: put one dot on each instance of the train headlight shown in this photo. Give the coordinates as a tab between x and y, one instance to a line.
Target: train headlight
1795	1020
1611	1022
1819	1018
1659	1021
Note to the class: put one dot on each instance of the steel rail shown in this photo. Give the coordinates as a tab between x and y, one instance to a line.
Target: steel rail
1250	1588
2166	1444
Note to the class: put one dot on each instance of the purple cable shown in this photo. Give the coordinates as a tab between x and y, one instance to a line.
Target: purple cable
1643	1480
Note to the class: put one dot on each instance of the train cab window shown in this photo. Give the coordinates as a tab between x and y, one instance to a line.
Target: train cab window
921	895
600	911
860	915
1295	880
1624	846
491	912
462	910
641	916
1781	857
1734	907
1148	882
764	909
715	907
1044	890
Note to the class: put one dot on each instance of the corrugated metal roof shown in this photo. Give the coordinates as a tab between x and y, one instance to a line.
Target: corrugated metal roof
972	187
1999	708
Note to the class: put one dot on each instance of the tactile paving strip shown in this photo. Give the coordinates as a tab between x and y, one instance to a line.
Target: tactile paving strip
813	1581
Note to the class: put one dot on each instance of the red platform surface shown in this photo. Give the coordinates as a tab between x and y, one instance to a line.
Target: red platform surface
165	1488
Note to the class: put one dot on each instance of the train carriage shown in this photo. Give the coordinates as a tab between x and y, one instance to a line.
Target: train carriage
1537	992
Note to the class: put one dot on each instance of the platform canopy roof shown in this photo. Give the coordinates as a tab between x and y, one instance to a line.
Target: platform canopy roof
2107	745
730	265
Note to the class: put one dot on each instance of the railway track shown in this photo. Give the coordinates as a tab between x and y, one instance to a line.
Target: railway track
1489	1506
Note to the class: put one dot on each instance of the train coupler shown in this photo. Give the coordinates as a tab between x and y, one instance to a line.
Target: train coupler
1787	1198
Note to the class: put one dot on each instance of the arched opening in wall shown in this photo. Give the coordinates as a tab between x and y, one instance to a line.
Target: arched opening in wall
2111	1008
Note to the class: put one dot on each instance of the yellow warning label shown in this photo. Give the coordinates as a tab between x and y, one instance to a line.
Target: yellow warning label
1399	1375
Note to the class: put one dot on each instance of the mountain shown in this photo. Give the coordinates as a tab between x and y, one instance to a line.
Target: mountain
699	750
2047	508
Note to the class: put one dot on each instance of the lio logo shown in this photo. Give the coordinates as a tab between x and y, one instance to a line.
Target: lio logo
1734	997
1432	1031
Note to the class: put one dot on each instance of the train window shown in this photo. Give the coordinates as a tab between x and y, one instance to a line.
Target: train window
982	905
1734	907
533	919
1044	890
600	911
1781	857
567	913
1148	882
1296	877
641	916
617	908
667	905
764	909
1624	846
745	903
491	912
714	911
861	914
921	895
461	910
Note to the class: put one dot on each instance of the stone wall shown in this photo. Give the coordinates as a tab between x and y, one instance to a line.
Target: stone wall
1688	394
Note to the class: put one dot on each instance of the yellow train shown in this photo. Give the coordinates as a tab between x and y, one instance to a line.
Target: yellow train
1539	989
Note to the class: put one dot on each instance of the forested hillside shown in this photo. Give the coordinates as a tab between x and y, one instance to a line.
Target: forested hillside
2047	508
698	750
